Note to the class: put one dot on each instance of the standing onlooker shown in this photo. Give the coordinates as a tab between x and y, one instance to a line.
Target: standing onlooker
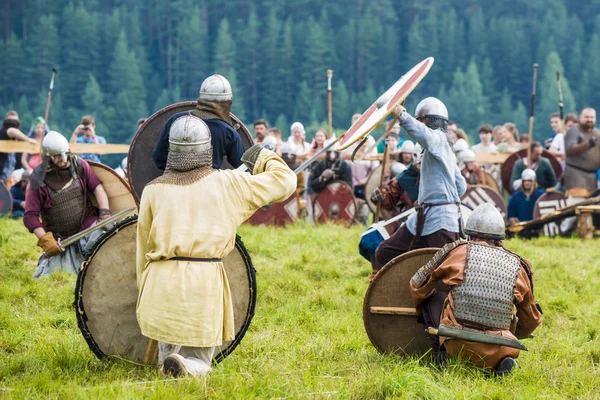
452	126
546	178
276	133
583	153
499	135
87	130
296	139
511	144
17	193
10	131
570	121
319	141
37	132
485	136
260	130
556	145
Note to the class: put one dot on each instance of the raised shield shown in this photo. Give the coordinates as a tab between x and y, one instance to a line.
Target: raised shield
277	214
391	321
140	165
335	203
117	189
386	103
6	201
509	164
106	296
477	195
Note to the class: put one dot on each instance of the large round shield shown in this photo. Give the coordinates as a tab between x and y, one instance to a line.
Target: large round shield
335	203
277	214
553	201
6	201
507	167
477	195
119	194
140	165
488	180
106	296
391	322
373	182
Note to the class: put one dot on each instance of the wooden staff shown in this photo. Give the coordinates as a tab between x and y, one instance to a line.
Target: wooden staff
49	99
329	104
384	166
531	114
560	102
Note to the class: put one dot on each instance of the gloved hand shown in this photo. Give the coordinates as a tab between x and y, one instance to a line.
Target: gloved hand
327	175
398	110
49	245
251	155
377	195
593	141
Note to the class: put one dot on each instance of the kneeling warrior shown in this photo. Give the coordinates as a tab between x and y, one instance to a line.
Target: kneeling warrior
487	283
187	224
60	193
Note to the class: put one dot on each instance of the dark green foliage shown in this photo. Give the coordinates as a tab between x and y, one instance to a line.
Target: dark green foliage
121	60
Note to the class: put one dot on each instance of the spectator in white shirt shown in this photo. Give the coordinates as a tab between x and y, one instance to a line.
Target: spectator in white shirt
485	136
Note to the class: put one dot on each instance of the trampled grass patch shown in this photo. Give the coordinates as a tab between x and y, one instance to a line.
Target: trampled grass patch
307	338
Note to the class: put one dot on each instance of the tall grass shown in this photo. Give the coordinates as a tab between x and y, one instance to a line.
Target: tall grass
307	338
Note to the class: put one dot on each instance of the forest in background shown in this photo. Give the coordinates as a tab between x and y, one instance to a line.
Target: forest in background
121	60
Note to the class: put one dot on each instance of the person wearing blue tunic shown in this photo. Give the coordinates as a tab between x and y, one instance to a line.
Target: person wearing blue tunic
522	202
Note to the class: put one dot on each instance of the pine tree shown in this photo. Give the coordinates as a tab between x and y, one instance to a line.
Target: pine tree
248	55
12	68
341	111
93	97
224	49
238	100
42	46
193	62
304	103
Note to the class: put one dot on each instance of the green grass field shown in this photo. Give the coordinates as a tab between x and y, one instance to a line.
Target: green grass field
307	338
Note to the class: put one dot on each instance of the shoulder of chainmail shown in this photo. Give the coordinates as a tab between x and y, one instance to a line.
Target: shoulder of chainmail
183	178
426	270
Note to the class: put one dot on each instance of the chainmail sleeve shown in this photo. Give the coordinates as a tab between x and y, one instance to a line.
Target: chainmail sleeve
423	274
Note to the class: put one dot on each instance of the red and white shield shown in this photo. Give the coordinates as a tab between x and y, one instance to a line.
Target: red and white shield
277	214
335	203
385	104
477	195
6	201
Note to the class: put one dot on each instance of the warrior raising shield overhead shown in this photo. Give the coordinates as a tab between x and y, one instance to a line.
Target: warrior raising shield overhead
441	185
59	193
187	224
214	105
477	319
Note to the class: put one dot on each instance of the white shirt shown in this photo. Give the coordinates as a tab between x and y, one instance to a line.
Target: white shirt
559	143
481	148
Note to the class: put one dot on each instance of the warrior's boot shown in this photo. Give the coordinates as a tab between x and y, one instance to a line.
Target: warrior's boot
506	366
174	365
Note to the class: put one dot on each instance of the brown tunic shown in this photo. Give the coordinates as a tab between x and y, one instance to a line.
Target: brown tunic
580	169
451	272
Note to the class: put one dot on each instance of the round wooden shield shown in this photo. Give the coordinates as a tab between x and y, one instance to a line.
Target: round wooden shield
277	214
553	201
385	104
391	321
507	167
140	166
335	203
6	200
477	195
373	183
117	189
488	180
106	295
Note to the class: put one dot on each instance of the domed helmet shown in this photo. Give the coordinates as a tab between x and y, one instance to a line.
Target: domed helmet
407	147
467	156
216	88
486	222
460	145
528	175
431	107
55	144
269	143
189	134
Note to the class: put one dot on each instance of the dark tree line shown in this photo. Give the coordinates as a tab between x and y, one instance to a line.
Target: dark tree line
120	60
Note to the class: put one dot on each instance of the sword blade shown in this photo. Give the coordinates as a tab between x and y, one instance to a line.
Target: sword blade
308	162
474	336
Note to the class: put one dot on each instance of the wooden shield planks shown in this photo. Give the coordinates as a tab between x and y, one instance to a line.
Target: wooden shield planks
384	106
389	331
335	203
6	201
507	167
480	194
277	214
119	194
141	168
106	297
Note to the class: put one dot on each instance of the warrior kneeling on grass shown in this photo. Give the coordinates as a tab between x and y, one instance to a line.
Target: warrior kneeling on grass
477	319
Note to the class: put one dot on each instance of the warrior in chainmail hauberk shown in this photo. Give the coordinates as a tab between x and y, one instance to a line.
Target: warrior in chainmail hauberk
187	224
437	221
491	292
214	105
59	204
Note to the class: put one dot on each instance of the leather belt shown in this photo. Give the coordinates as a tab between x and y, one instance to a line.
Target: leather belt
195	259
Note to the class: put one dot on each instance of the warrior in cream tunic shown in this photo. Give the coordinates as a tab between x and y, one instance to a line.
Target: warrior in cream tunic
187	224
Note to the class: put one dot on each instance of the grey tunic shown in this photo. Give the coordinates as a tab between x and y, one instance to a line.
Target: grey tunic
580	170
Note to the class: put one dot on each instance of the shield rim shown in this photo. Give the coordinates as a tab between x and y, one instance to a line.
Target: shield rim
387	267
509	164
82	316
388	106
348	223
10	203
373	175
136	138
473	187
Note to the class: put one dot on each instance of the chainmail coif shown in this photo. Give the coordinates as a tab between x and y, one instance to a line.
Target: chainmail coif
186	168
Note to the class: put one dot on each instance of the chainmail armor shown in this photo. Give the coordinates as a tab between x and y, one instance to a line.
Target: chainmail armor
486	295
69	209
423	274
186	168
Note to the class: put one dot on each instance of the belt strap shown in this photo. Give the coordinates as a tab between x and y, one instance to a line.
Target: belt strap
421	214
581	169
195	259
